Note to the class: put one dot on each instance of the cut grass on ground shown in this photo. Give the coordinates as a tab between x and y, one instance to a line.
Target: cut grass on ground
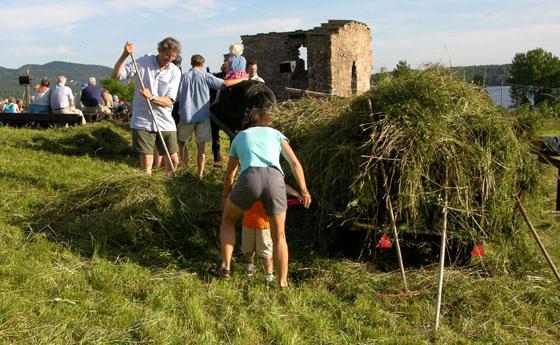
55	292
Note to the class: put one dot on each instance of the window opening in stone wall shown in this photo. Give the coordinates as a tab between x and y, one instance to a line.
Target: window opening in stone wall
354	78
303	55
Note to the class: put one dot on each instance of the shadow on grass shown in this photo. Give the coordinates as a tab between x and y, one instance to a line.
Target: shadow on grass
99	142
150	220
153	221
34	181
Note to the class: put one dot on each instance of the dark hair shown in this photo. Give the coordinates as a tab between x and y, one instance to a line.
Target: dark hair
178	60
45	82
257	117
197	60
251	62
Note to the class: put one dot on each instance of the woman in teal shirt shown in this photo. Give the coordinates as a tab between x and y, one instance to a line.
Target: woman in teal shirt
257	150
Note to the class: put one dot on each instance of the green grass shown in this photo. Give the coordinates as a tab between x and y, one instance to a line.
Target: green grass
551	128
79	280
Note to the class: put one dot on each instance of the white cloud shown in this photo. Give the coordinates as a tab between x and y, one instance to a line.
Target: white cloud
186	10
28	18
63	50
249	28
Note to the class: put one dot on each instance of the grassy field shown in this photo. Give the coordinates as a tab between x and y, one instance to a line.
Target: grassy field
92	252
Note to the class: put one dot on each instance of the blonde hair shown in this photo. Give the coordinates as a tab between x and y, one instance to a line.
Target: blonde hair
235	49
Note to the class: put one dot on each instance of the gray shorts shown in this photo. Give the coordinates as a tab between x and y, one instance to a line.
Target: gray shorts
264	184
201	130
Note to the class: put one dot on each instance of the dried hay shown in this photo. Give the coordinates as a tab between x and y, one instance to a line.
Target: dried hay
413	136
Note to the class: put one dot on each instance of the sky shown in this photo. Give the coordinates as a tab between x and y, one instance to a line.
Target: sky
452	32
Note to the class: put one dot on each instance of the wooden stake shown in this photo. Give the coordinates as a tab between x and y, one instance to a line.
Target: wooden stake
441	259
396	234
537	238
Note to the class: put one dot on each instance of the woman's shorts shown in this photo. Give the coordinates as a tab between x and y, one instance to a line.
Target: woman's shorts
264	184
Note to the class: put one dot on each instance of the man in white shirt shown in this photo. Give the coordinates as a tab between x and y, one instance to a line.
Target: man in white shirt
252	69
62	99
161	79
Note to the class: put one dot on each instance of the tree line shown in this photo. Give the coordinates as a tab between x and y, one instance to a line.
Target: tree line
533	76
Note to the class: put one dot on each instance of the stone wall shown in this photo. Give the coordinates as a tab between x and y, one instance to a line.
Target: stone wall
348	48
332	50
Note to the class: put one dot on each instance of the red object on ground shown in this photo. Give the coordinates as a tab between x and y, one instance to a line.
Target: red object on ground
384	242
478	249
292	202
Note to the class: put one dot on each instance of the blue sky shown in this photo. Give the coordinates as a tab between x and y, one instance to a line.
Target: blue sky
461	32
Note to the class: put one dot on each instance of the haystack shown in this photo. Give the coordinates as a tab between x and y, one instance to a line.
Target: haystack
410	138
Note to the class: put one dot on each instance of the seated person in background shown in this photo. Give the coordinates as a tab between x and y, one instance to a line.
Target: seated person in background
108	99
19	103
11	107
235	65
41	99
1	105
62	99
92	97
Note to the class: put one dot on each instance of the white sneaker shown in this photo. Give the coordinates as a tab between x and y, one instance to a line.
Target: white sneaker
249	269
269	278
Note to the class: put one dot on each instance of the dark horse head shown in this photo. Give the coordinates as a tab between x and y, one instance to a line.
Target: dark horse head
235	103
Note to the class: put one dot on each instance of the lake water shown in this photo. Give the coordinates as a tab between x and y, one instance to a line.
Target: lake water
500	95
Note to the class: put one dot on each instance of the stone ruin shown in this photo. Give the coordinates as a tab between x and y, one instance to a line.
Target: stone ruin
339	58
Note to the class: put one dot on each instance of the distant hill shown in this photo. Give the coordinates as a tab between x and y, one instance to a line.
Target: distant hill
75	73
490	75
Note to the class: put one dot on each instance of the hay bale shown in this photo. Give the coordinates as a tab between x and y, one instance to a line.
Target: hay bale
421	127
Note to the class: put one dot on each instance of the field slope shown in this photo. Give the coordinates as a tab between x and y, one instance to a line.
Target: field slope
92	252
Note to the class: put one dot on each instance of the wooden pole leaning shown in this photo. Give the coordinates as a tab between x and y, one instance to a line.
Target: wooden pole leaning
394	225
537	238
142	87
441	260
397	243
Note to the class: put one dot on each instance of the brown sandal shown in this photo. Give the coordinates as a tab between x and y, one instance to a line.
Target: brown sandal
221	272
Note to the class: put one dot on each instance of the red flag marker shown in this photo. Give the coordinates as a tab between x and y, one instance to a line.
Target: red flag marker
384	242
478	249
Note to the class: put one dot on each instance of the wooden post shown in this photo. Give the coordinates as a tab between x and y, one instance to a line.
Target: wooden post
28	97
397	243
441	260
537	238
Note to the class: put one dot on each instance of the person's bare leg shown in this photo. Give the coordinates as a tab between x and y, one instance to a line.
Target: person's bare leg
174	159
157	158
184	154
227	232
200	160
146	162
280	247
267	264
250	257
